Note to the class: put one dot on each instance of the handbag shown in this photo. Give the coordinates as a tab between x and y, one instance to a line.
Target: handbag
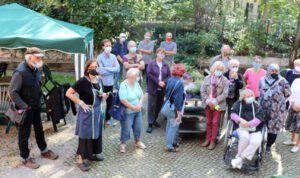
14	115
168	109
117	110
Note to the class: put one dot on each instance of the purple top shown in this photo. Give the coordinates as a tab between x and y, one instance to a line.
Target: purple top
253	123
153	75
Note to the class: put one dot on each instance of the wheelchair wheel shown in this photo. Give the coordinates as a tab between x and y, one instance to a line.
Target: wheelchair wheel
262	148
229	129
228	146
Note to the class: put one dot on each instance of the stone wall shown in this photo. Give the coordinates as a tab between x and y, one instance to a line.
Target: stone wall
56	60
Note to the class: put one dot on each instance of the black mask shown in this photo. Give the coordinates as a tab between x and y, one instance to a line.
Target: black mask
274	76
93	72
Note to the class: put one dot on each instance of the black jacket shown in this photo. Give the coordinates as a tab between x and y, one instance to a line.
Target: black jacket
247	112
238	85
25	87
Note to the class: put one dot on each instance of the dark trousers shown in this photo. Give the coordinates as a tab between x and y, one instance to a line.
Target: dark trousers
145	73
108	101
33	118
155	103
271	139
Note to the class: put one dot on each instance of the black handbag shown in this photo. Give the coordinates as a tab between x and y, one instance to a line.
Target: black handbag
14	115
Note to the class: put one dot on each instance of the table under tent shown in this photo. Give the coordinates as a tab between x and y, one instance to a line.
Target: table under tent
22	27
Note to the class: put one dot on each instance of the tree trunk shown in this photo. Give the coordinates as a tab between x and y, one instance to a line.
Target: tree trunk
197	14
266	10
296	46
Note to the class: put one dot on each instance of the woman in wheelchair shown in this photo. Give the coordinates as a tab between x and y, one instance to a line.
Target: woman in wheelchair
248	115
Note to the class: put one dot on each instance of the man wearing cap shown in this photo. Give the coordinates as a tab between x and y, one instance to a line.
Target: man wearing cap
25	92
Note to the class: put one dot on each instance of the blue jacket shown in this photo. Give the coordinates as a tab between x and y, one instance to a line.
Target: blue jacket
178	95
119	49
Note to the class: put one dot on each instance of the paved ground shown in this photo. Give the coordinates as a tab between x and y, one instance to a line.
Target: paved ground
191	161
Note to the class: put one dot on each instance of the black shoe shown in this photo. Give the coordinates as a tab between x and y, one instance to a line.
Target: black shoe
97	158
149	129
84	167
268	150
156	124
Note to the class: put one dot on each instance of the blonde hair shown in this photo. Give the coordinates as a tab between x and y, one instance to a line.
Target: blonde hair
216	65
132	71
245	92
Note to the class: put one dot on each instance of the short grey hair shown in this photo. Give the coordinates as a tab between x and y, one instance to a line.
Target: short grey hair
232	62
132	71
245	92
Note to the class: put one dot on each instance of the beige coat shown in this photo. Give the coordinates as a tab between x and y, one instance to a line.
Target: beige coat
222	92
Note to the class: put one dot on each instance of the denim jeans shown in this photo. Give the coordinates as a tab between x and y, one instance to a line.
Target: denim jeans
171	130
33	117
134	121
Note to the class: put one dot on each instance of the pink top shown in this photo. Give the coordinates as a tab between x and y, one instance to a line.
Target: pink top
252	79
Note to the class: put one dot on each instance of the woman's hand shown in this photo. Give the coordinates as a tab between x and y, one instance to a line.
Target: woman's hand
178	119
104	96
244	123
85	107
162	84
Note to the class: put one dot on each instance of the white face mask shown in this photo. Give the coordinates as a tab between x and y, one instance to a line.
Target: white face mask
147	37
297	68
235	69
107	49
122	39
37	64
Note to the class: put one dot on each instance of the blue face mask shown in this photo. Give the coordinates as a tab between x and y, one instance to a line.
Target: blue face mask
249	100
256	66
132	50
218	73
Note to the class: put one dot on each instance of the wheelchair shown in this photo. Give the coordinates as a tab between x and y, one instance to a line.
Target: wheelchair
231	148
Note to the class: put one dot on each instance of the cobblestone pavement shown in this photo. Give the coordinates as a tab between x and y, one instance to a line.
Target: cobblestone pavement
191	161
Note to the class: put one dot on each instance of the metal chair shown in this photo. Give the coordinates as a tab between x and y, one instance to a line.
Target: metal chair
3	67
4	104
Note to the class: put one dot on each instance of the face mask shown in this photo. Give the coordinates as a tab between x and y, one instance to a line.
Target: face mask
274	76
37	64
256	66
122	39
169	39
297	68
107	49
161	56
147	37
218	73
234	69
132	50
93	72
249	100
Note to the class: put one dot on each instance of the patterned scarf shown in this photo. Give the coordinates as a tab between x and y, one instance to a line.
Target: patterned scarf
214	85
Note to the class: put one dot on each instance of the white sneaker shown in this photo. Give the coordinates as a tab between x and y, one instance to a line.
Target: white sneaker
140	145
122	148
295	149
237	163
289	143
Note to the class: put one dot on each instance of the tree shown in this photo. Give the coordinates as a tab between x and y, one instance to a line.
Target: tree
296	46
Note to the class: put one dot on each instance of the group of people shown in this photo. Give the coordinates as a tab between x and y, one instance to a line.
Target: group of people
263	101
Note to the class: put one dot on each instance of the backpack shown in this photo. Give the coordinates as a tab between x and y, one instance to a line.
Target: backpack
117	109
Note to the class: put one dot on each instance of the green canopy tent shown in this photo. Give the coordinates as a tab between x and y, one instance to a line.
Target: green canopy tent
21	28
